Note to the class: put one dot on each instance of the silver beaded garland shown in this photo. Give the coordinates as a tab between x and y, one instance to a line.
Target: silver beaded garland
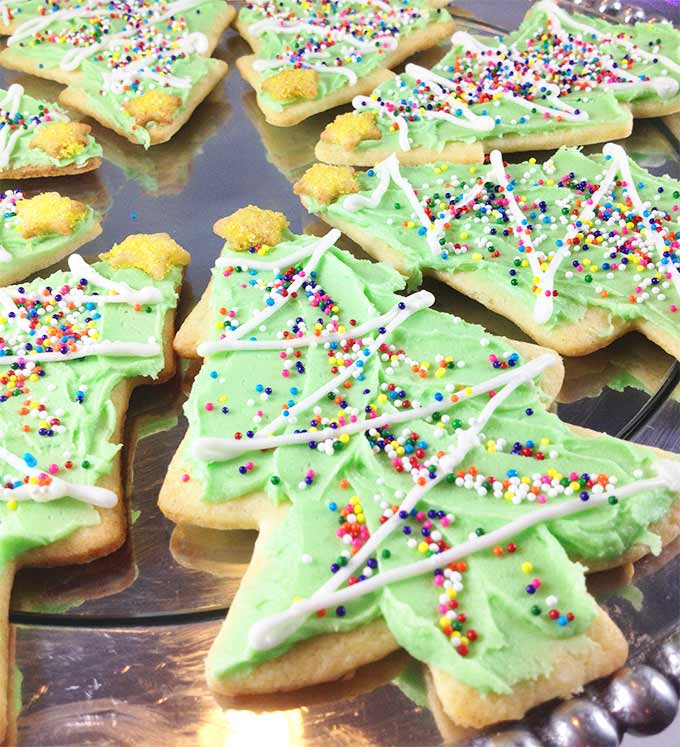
581	723
642	700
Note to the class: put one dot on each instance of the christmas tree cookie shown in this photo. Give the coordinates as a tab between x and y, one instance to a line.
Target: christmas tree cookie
559	79
36	232
409	485
139	68
576	251
313	56
38	139
72	347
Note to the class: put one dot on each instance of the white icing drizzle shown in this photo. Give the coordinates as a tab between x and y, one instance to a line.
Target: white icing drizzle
316	250
57	488
274	630
123	292
275	264
6	302
5	11
212	449
5	256
114	349
389	170
207	348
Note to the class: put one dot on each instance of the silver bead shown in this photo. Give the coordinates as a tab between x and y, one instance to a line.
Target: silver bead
642	700
581	723
667	660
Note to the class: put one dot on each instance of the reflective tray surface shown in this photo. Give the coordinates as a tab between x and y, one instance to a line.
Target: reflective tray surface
112	653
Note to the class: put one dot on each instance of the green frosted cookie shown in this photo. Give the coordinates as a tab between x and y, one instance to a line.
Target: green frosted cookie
559	79
576	251
410	487
72	347
313	56
139	68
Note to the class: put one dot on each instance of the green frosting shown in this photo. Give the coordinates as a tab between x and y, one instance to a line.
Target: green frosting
485	79
613	267
241	391
175	64
58	417
31	115
359	32
21	254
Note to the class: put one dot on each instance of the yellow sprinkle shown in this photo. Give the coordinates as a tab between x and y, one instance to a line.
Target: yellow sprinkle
527	567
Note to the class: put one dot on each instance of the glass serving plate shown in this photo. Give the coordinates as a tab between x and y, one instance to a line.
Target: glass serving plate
112	653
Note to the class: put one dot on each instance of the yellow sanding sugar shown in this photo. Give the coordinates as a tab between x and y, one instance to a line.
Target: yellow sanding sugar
47	213
153	253
153	106
326	183
348	130
251	226
61	139
291	84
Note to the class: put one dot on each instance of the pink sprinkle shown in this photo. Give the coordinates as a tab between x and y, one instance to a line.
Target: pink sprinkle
209	406
445	521
285	373
53	469
185	477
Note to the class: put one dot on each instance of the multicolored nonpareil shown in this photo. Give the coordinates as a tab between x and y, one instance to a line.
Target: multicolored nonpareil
139	67
410	487
559	79
313	56
576	250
